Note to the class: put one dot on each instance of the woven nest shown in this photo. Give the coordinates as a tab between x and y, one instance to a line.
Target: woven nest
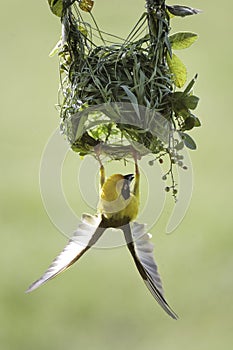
122	93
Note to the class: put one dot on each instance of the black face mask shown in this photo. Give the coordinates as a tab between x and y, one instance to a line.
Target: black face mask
126	186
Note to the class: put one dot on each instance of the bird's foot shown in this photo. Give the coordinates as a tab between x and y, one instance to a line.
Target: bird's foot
136	155
97	150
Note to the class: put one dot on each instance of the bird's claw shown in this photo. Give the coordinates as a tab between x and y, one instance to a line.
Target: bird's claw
136	155
97	150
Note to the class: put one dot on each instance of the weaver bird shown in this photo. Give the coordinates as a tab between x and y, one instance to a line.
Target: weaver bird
118	208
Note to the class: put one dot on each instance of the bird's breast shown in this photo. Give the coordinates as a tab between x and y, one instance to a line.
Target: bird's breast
118	209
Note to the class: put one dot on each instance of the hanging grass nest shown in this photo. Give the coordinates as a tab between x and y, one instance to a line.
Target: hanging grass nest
124	93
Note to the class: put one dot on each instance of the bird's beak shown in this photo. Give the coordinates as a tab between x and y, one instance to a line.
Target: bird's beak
129	177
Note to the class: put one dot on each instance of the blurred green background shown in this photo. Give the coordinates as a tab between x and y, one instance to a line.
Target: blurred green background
101	303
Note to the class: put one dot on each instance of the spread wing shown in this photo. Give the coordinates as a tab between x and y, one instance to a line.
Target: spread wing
86	235
142	252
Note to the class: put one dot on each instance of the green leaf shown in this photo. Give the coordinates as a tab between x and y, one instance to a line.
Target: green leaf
188	141
190	85
182	11
191	101
133	99
189	123
197	121
177	69
182	40
56	7
184	112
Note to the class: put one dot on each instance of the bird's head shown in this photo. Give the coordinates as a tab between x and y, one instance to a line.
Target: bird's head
118	184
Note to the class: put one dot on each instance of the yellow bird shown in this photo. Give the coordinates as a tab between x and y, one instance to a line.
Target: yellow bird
118	208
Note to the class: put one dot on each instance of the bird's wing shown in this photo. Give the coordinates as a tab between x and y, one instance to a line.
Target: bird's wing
86	235
142	252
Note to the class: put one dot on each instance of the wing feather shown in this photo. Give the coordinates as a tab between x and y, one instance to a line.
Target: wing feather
142	252
85	236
